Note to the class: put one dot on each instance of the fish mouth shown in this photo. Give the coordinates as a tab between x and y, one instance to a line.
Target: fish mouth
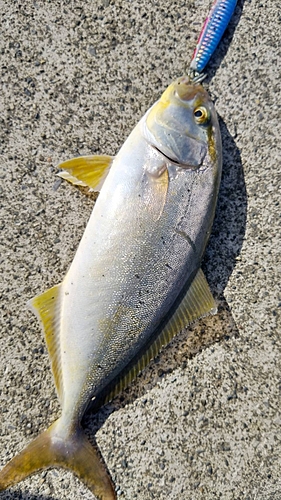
178	163
177	147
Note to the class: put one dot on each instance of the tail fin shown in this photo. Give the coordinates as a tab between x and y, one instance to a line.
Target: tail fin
75	453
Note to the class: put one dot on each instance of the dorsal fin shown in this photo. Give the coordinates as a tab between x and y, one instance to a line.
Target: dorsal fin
90	171
196	303
47	309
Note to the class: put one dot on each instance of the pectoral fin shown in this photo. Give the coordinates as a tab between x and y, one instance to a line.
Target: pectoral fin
89	171
155	193
197	302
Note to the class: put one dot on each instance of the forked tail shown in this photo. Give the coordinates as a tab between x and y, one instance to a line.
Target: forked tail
75	453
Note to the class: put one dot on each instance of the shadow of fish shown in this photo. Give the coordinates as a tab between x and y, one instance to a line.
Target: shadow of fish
135	280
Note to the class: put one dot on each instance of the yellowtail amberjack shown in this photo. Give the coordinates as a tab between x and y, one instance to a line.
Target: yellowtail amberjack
135	280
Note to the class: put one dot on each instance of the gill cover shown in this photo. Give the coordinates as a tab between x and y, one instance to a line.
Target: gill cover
179	124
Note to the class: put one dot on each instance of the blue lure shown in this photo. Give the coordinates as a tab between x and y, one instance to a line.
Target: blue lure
211	33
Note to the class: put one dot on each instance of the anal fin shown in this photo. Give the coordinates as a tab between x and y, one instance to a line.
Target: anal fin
89	171
197	302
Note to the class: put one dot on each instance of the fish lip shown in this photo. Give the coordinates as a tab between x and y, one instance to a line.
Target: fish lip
176	162
150	138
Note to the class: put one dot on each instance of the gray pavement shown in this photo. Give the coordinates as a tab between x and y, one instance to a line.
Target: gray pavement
203	421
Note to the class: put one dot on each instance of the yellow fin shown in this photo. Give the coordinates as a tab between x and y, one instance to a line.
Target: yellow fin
90	171
197	302
47	309
52	449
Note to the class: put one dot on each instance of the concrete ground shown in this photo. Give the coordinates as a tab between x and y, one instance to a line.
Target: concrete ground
203	420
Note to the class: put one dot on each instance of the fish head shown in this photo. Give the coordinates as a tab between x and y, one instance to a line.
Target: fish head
183	126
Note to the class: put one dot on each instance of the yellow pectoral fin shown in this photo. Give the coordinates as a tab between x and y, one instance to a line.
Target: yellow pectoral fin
90	171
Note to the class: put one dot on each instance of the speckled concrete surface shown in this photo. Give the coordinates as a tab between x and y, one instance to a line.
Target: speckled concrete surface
203	421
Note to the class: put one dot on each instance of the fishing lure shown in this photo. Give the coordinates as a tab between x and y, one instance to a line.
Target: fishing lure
211	33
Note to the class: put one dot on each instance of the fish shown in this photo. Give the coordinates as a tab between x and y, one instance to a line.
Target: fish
136	278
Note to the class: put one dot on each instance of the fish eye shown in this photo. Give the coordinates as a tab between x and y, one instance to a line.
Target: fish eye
201	115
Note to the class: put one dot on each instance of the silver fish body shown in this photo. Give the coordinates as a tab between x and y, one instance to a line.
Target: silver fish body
139	256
